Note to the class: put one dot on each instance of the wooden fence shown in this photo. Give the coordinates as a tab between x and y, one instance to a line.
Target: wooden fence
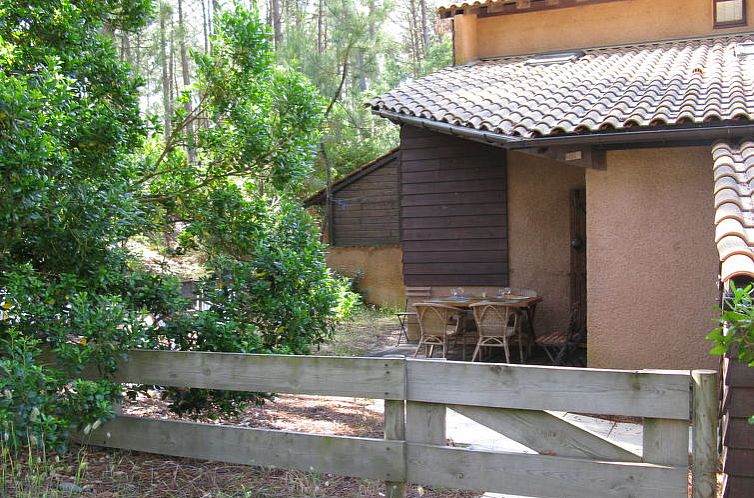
510	399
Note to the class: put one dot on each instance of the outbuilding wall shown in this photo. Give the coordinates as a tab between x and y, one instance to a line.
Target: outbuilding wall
378	271
652	263
365	211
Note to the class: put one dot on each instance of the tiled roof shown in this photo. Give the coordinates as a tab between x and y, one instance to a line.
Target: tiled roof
654	84
734	208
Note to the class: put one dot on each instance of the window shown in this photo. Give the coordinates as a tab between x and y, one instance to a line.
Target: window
729	13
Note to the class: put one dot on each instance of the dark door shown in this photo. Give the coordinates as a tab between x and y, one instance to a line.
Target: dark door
578	255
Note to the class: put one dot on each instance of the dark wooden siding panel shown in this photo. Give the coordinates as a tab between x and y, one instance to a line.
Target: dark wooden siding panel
453	211
366	212
737	433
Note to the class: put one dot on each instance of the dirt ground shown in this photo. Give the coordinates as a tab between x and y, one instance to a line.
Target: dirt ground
370	330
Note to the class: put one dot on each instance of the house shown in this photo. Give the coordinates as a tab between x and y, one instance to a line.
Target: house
599	152
363	231
611	107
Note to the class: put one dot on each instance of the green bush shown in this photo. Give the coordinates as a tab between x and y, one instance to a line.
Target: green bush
275	296
735	335
78	179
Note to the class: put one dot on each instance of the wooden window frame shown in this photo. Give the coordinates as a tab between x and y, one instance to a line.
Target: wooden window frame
729	24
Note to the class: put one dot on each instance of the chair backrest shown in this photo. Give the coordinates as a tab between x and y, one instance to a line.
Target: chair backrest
494	319
433	318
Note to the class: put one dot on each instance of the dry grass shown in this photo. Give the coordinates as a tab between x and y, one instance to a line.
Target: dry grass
370	330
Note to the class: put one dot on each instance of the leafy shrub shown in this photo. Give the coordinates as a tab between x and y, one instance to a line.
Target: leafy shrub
736	331
78	180
57	330
275	296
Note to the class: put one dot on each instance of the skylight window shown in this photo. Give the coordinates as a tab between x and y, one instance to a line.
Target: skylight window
556	58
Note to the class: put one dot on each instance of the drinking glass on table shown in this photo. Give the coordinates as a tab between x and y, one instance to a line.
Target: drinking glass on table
457	292
504	292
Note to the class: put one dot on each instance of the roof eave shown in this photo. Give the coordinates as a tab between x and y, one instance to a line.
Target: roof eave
707	132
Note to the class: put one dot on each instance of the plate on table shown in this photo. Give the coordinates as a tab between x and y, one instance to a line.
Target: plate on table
511	298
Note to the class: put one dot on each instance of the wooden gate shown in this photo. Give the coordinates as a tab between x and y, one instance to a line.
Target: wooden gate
510	399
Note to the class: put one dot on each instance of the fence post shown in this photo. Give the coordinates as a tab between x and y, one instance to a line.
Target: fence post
704	434
395	429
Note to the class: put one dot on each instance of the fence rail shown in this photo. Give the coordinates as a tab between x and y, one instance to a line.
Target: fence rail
509	399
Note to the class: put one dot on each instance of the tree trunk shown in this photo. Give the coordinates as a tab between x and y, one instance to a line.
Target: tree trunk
166	84
276	24
321	26
425	25
205	26
190	148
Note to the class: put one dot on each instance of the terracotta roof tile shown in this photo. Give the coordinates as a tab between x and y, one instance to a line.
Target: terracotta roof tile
655	84
734	210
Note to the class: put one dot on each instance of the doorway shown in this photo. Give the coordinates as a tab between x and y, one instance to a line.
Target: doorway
578	256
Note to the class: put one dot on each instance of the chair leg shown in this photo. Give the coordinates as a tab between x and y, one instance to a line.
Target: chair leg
549	354
520	348
477	349
419	347
507	351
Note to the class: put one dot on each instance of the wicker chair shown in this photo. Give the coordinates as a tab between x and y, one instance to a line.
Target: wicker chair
496	323
435	326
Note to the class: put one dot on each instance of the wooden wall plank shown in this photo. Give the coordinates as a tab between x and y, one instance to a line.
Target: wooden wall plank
465	187
438	173
478	209
493	244
739	487
469	268
541	476
491	280
439	200
547	434
488	232
737	462
452	221
739	433
452	175
321	375
453	256
367	211
613	392
350	456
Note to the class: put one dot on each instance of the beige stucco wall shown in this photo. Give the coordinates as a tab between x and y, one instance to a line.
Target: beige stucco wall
380	271
588	25
539	233
652	263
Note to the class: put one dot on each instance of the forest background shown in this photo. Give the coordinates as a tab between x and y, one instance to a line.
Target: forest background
191	127
350	50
